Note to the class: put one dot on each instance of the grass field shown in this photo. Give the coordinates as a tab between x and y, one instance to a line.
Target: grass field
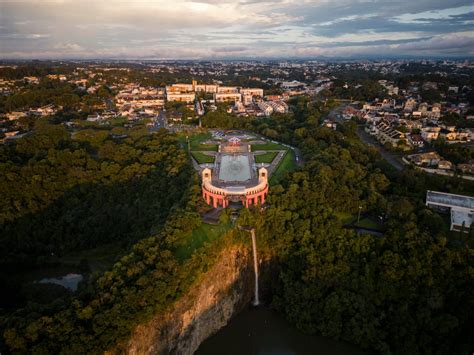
268	146
369	224
265	158
203	234
345	217
288	163
365	222
202	158
205	147
195	142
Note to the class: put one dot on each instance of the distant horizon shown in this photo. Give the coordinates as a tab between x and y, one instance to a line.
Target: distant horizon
225	29
243	59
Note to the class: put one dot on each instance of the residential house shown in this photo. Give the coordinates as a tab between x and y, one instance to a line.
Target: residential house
415	140
430	133
265	107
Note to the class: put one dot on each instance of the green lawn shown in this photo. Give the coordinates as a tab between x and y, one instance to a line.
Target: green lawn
288	163
195	142
348	218
369	224
205	147
345	217
203	234
202	158
268	146
266	157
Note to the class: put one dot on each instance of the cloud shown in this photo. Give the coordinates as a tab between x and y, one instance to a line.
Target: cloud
229	49
197	29
69	47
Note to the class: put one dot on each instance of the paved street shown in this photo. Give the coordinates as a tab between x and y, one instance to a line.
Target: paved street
162	121
392	158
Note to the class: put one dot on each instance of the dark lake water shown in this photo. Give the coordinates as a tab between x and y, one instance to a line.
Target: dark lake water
263	332
69	281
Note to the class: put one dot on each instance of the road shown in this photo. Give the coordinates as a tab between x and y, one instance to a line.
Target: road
161	120
392	158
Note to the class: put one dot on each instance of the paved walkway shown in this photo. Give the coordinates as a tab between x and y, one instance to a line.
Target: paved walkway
274	164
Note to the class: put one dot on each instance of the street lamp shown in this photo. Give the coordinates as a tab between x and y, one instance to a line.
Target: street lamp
255	263
358	216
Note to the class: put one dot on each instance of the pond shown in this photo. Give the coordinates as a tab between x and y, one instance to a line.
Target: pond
69	281
260	331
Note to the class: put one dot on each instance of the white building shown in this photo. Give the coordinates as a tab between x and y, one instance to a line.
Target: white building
206	88
460	207
182	97
227	90
430	133
13	116
252	91
454	89
180	88
265	107
292	84
410	104
226	97
247	99
278	106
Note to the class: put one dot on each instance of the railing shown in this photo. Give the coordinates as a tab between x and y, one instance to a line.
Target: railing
262	186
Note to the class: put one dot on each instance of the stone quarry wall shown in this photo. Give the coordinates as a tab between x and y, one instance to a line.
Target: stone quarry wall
220	293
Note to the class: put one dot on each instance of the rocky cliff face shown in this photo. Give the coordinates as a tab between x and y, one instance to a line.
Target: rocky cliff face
220	293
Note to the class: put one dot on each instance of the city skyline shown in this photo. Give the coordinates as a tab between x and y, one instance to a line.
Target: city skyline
212	29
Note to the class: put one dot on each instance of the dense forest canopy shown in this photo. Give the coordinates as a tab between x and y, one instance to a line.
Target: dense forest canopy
143	283
407	291
62	192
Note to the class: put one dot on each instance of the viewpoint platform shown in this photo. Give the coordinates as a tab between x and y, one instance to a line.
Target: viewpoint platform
235	177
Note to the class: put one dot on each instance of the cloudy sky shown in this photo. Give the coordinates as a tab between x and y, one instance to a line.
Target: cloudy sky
185	29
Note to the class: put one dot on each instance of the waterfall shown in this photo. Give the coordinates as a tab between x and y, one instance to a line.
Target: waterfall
255	266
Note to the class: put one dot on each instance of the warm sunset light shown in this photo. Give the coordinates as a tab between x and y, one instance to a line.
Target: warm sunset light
234	29
236	177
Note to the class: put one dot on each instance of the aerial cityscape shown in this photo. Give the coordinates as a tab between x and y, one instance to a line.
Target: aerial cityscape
203	177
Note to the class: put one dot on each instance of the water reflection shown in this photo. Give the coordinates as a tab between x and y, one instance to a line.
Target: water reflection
69	281
263	332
